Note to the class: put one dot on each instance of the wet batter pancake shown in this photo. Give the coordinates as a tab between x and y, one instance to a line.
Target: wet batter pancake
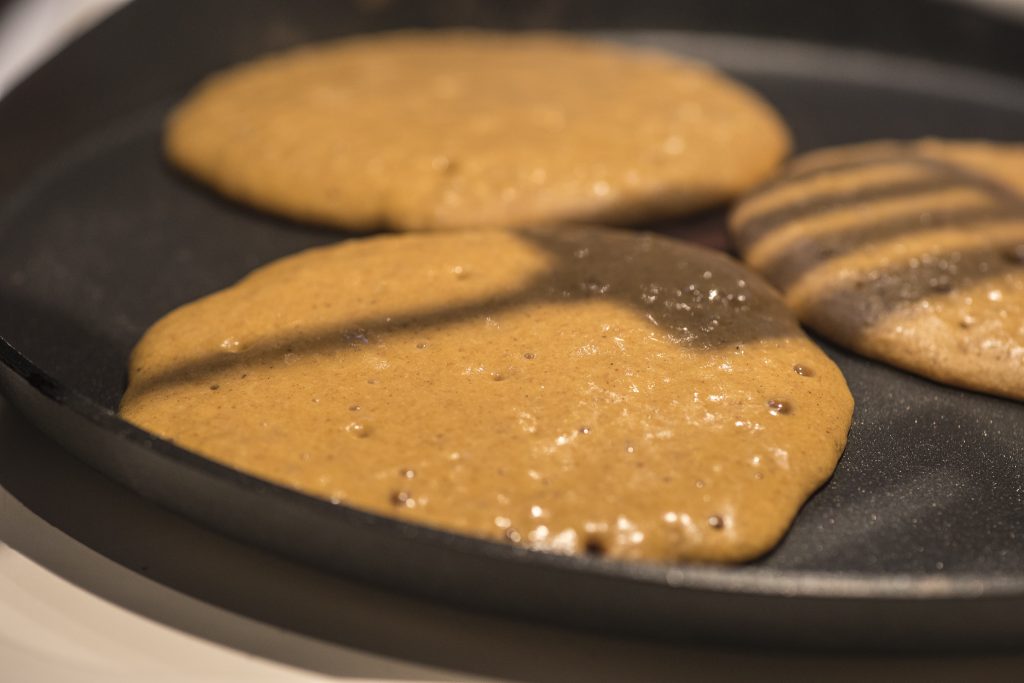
583	390
908	252
466	129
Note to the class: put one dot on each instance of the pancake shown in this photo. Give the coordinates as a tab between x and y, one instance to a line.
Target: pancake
581	390
463	129
908	252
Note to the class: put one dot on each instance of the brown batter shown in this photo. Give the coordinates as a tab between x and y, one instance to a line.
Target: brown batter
474	129
909	252
584	390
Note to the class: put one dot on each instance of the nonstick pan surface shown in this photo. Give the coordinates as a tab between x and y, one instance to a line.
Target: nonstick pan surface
916	543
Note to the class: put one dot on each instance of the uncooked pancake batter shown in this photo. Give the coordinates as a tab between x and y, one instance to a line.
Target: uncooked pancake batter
475	129
584	390
908	252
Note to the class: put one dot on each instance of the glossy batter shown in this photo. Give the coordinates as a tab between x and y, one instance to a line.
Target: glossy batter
584	390
909	252
473	129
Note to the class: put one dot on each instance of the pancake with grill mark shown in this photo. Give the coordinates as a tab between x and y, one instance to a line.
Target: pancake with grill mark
908	252
578	391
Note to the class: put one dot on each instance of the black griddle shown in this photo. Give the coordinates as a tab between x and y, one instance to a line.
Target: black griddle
916	543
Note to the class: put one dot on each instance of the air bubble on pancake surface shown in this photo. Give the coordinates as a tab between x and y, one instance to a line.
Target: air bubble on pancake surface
594	286
594	546
527	422
358	430
231	345
403	499
649	294
356	337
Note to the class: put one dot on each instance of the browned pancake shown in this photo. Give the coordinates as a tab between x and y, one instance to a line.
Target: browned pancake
584	390
475	130
908	252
